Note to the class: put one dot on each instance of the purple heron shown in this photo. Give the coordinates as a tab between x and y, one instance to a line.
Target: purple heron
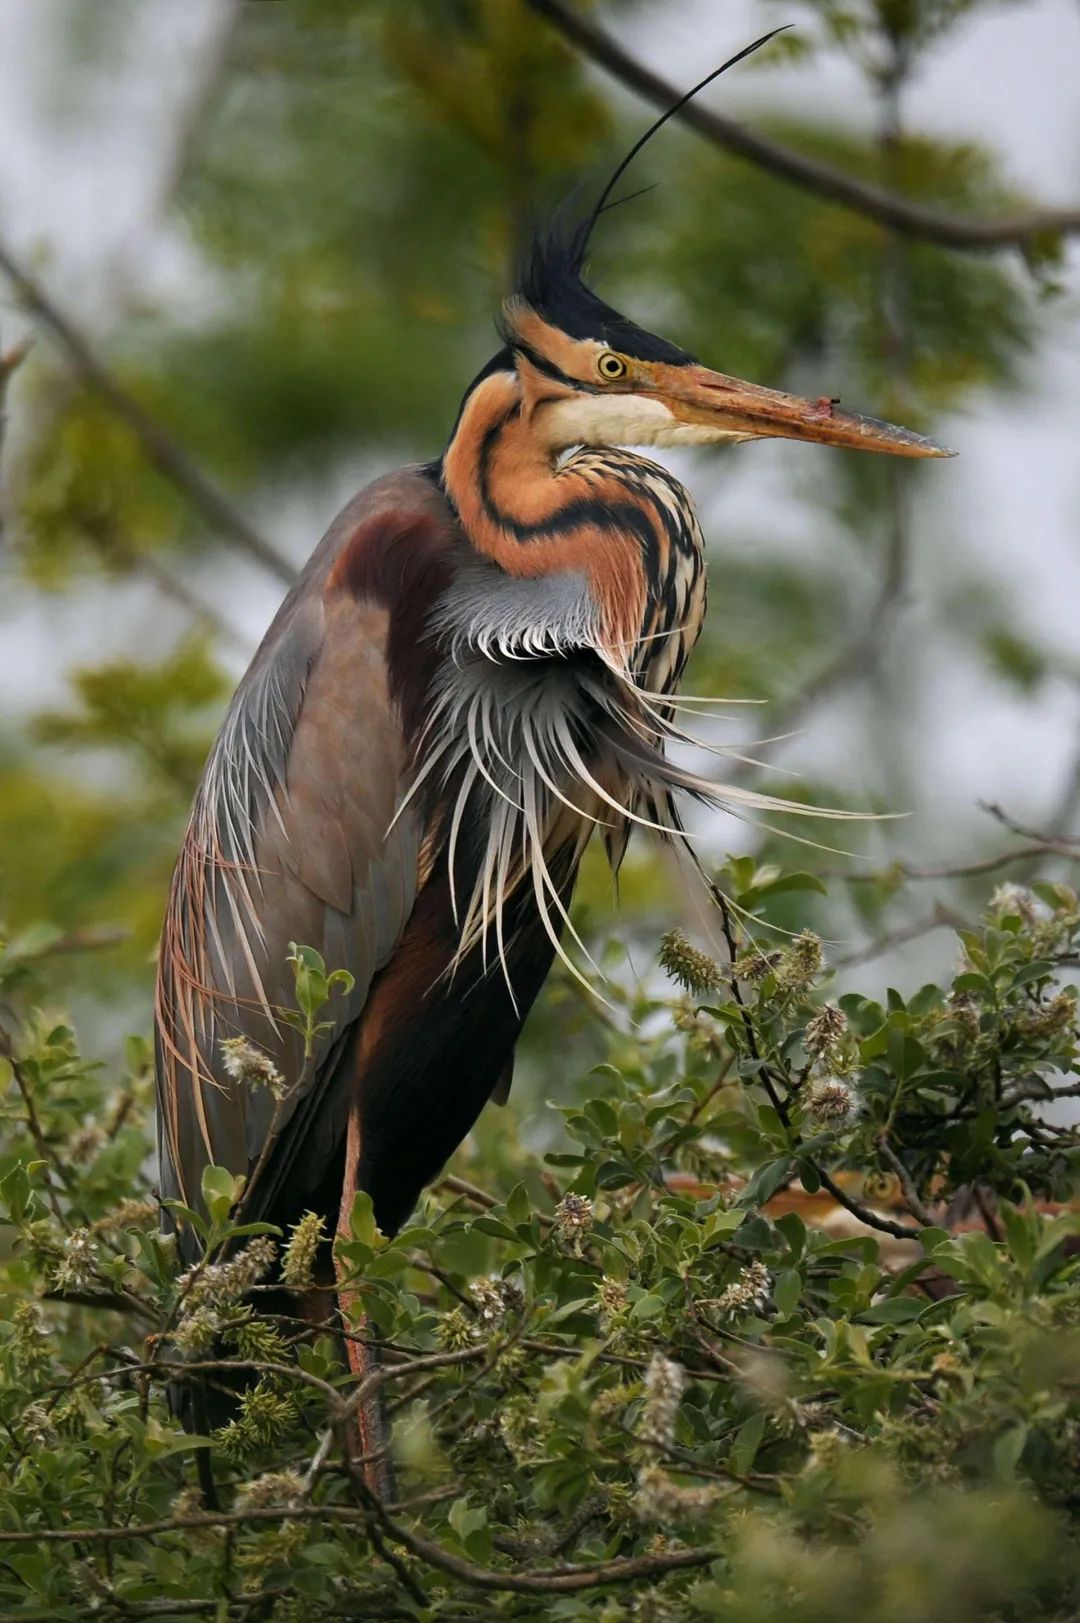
467	679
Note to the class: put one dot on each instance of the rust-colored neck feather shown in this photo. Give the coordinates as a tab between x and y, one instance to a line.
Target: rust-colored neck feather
533	517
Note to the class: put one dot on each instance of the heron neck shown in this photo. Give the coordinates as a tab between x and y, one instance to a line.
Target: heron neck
518	507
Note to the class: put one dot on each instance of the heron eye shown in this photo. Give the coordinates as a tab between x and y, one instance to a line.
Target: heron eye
611	366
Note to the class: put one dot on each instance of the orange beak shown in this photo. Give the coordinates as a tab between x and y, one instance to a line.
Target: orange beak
708	399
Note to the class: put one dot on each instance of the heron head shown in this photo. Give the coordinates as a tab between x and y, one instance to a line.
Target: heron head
590	376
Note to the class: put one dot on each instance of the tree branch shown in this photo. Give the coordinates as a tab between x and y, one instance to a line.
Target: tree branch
956	870
940	918
865	1214
563	1579
177	590
898	213
165	453
1063	845
9	365
907	1183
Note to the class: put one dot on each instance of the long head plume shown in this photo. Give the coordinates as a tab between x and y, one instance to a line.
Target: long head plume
603	202
549	277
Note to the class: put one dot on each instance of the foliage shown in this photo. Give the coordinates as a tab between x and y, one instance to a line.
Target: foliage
790	1317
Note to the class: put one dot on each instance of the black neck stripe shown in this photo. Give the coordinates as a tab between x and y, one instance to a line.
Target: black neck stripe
627	517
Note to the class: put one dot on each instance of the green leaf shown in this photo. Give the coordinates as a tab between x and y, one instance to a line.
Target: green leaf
1022	1232
486	1224
519	1208
765	1182
221	1190
809	1176
1038	970
1007	1450
647	1308
187	1215
787	1289
244	1231
747	1442
362	1219
782	886
971	981
894	1310
793	1229
17	1196
720	1225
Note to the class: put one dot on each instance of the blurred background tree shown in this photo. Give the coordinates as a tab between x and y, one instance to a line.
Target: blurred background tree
323	223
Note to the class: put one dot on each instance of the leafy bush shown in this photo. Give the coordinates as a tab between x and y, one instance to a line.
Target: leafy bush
791	1320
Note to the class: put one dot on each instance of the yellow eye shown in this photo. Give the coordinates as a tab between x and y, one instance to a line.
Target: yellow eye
611	366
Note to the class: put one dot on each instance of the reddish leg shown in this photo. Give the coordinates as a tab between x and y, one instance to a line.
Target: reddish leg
372	1424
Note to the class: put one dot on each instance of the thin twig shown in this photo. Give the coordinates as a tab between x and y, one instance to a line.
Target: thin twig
472	1191
911	1194
482	1197
939	918
971	869
10	361
872	1219
862	651
1068	802
176	588
865	1214
53	1164
1065	845
94	938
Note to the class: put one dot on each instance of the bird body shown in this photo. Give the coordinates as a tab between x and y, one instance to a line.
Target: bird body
474	671
395	785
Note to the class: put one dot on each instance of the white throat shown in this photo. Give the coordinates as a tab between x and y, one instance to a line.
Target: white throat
624	419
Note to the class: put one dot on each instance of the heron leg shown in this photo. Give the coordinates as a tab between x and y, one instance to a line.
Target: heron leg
372	1436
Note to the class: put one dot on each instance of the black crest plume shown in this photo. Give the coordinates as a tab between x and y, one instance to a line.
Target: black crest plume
549	279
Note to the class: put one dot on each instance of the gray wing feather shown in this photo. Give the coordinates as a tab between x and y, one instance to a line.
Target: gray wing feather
295	835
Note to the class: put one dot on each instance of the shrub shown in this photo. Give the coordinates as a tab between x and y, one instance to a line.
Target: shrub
790	1321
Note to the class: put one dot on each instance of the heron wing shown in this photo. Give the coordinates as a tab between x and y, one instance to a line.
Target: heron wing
298	834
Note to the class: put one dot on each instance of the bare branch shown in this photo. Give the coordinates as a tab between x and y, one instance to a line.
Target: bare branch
9	365
1064	845
97	938
165	453
204	94
865	1214
911	1194
957	870
890	209
177	590
480	1197
472	1191
940	918
1069	800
